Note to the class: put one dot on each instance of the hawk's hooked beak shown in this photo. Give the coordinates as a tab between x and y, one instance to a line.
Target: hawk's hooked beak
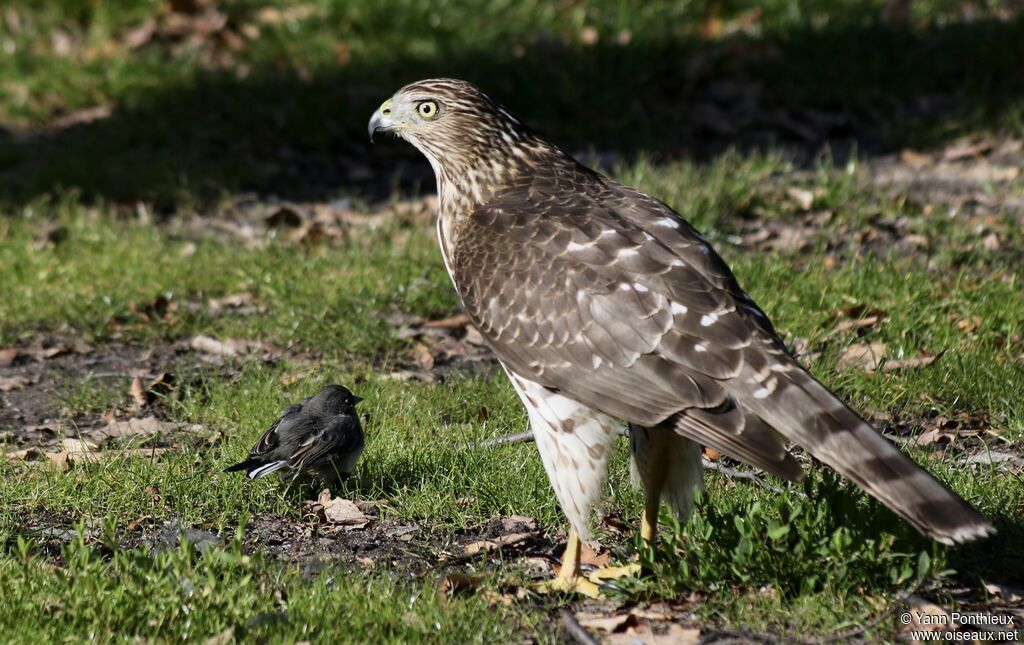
381	120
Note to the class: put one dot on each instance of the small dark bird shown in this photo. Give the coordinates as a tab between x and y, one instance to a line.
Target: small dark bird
320	436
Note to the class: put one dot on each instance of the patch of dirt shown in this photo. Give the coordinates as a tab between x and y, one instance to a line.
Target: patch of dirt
51	387
440	348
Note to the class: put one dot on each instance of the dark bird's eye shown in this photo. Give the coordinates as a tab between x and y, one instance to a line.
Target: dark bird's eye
427	109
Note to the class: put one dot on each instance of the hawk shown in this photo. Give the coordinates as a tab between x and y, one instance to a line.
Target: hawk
603	305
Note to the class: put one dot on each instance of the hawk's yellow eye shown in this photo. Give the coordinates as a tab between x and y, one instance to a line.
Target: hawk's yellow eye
427	109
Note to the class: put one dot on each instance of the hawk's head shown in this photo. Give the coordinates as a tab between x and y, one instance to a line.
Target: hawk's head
453	123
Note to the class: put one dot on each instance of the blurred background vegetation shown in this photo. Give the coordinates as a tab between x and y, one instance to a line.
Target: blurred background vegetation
182	101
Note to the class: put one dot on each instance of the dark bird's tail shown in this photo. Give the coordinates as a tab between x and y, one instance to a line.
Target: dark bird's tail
800	408
255	467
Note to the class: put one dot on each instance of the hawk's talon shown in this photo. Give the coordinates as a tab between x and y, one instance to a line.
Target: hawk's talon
569	584
633	569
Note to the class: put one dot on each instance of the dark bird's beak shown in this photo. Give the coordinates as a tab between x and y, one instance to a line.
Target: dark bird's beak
357	399
381	120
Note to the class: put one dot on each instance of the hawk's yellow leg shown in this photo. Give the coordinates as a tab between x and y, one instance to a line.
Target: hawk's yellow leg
569	579
648	533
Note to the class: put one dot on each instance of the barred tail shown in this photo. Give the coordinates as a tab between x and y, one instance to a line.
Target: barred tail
800	408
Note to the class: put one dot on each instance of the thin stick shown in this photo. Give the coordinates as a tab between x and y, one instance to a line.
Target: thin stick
519	437
739	474
576	631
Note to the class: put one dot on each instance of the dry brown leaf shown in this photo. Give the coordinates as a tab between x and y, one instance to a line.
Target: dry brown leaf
422	356
804	199
711	454
858	317
457	321
8	383
594	556
456	583
139	394
865	356
916	159
489	545
991	242
239	304
136	427
606	623
520	522
479	546
276	16
8	356
228	347
927	616
644	635
140	35
1007	593
342	512
474	337
25	454
922	359
969	324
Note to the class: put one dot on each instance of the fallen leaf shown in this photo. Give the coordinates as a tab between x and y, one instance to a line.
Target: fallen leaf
605	623
518	522
229	347
865	356
991	242
8	383
489	545
916	159
139	394
922	359
1007	593
342	512
992	457
858	317
457	321
927	616
25	454
7	356
140	35
474	337
137	427
644	635
456	583
594	557
803	198
711	454
422	356
968	325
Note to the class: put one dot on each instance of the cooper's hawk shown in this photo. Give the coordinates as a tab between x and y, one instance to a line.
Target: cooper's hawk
320	436
603	304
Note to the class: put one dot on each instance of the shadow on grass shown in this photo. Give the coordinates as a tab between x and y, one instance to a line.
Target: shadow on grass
847	86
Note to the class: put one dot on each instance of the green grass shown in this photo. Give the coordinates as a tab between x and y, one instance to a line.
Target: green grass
422	463
286	117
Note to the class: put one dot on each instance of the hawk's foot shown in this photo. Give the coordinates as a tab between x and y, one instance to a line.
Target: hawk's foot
569	584
633	569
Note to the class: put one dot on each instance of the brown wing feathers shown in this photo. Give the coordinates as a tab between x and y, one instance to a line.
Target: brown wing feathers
605	294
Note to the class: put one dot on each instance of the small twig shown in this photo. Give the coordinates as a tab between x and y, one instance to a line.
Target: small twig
519	437
739	474
576	631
